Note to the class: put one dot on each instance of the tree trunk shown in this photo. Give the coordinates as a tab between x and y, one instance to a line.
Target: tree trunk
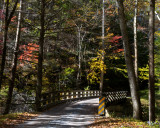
151	62
79	56
40	58
128	58
80	37
7	22
14	63
2	9
4	44
135	42
103	45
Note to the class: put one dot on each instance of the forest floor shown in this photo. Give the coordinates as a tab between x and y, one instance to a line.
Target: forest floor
115	122
11	120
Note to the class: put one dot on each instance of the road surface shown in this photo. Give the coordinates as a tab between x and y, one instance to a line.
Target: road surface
68	115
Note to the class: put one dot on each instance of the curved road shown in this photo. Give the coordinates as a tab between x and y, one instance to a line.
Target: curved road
76	114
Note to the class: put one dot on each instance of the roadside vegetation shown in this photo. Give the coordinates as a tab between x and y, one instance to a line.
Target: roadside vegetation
129	122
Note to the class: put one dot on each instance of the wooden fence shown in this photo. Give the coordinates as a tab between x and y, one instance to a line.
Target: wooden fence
52	98
114	97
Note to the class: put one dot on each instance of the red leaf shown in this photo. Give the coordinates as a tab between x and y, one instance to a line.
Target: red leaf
115	39
118	50
29	52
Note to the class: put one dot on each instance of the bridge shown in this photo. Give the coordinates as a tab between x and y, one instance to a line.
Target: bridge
71	108
53	98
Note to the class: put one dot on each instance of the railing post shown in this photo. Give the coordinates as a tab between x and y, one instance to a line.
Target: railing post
92	93
70	95
79	96
67	95
75	94
86	93
64	95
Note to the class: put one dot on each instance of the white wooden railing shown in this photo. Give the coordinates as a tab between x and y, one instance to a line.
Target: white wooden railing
52	98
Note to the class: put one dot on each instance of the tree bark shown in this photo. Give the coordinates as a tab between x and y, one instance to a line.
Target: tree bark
79	56
80	38
151	62
103	45
7	22
135	42
2	9
128	58
14	63
40	57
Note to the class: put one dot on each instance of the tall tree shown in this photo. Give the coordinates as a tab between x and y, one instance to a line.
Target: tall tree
1	14
40	56
8	18
128	58
135	41
151	62
103	45
80	55
14	63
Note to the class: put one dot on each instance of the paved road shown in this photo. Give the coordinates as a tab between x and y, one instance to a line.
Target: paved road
76	114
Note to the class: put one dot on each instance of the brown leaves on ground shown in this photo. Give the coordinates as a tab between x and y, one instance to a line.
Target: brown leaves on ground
8	121
117	123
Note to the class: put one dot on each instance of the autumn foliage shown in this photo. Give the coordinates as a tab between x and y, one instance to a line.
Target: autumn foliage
29	53
115	42
115	39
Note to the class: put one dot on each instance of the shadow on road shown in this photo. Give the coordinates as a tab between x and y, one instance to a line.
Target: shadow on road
78	114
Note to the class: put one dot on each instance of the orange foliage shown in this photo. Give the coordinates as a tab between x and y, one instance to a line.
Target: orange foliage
29	52
118	50
13	19
115	41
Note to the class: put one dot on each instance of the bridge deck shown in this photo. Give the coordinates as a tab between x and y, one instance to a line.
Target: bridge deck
66	115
